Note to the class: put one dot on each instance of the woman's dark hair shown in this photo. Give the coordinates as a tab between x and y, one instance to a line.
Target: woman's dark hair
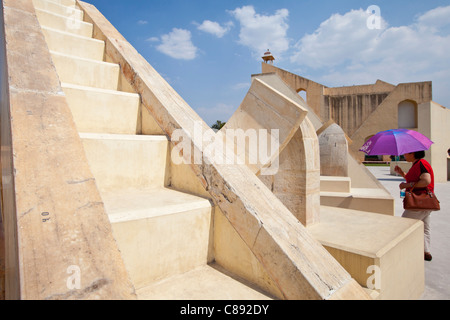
419	154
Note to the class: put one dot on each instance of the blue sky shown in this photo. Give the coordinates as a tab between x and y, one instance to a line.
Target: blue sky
208	49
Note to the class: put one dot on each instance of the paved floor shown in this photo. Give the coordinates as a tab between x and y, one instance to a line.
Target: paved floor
437	271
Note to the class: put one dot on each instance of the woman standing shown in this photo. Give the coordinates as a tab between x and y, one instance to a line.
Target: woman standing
420	176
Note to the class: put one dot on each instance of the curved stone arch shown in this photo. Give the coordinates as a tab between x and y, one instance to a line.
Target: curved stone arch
303	93
333	150
297	181
407	114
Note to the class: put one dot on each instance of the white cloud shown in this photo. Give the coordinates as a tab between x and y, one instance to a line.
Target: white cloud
153	39
142	22
339	39
262	32
215	28
435	20
347	52
178	45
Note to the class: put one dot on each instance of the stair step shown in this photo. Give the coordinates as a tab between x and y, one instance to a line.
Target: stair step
86	72
67	3
103	111
71	44
160	232
364	199
335	184
52	6
126	161
132	204
203	283
64	23
359	239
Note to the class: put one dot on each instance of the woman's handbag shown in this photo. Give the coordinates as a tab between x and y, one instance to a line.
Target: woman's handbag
422	201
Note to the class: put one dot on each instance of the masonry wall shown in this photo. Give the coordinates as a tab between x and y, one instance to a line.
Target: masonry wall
350	111
9	262
54	218
436	126
364	110
385	116
314	90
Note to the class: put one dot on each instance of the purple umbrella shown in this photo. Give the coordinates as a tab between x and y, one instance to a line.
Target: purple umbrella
396	142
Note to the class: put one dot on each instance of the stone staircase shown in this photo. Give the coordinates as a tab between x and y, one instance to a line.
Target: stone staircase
164	235
338	192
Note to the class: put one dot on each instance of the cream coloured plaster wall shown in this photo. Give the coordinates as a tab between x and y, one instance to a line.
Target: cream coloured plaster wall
315	91
434	122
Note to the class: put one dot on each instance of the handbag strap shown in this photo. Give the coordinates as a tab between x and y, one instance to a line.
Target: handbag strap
428	190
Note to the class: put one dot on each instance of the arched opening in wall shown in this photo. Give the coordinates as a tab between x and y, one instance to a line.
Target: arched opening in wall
407	114
302	93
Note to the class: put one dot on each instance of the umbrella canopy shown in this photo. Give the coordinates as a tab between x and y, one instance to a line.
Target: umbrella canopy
396	142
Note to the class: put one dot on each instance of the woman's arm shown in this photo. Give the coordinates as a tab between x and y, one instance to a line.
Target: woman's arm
425	180
399	171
